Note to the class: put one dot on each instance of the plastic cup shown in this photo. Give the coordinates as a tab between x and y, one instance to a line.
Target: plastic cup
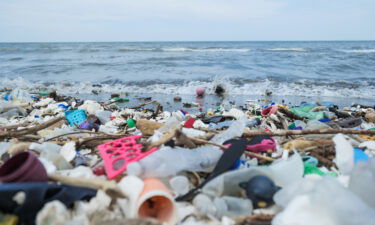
23	167
156	201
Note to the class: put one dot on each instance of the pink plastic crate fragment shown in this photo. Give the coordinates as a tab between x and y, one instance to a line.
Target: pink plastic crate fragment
119	153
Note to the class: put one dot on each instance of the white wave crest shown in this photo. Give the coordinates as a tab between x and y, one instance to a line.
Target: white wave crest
359	51
206	50
288	49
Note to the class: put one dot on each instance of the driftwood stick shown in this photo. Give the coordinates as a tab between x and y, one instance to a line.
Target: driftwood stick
304	132
156	113
15	126
30	130
83	141
76	132
107	186
162	140
141	105
184	140
202	141
260	156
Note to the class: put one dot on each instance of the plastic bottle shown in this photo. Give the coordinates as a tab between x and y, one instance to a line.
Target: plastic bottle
235	130
21	96
162	162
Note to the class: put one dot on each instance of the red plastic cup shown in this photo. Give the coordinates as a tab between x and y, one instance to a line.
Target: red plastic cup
23	167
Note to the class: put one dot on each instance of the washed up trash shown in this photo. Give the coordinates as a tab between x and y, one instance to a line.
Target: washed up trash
200	91
148	127
220	163
189	123
23	167
8	219
119	153
261	143
156	201
344	154
75	117
370	117
346	123
305	111
260	189
321	201
37	194
131	123
359	155
269	110
362	181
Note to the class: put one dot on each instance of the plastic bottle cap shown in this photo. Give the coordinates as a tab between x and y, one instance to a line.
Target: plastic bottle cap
131	123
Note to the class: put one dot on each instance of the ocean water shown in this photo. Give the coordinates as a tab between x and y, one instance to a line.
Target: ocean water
332	69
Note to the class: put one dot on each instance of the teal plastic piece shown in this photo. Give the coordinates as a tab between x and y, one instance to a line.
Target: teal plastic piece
311	160
304	111
75	117
311	169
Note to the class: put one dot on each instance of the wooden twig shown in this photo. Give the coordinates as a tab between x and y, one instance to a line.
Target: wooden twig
260	156
202	141
15	126
304	132
71	133
107	186
162	140
83	141
184	140
158	109
141	105
30	130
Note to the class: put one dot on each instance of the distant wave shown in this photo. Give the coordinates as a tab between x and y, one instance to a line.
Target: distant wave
288	49
185	49
16	59
93	64
359	51
205	50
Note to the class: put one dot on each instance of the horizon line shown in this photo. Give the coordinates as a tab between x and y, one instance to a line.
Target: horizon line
181	41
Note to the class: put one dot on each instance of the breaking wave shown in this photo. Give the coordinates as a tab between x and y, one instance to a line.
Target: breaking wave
249	87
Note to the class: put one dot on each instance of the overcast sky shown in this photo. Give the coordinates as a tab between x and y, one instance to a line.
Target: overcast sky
186	20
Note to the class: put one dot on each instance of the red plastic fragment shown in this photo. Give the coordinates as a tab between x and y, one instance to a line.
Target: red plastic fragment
189	123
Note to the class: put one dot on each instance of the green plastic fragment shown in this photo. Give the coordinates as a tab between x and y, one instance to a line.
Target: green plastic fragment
304	111
43	94
311	169
131	123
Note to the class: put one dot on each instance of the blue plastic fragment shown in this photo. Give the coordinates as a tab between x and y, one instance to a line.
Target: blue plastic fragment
360	155
75	117
324	120
63	106
8	97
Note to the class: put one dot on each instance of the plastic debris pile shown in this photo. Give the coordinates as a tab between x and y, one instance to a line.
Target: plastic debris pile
106	163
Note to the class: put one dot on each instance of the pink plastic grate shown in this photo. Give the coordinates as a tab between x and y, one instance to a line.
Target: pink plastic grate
119	153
